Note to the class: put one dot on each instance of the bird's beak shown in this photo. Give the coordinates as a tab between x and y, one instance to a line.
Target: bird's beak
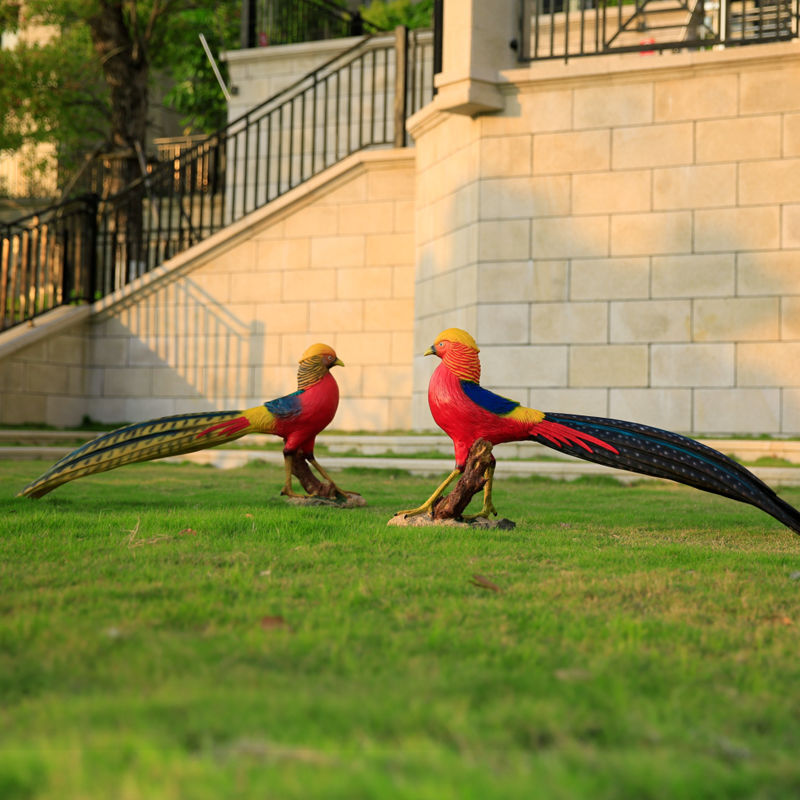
338	363
430	351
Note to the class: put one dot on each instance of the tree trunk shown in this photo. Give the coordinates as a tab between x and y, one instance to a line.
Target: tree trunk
472	481
123	55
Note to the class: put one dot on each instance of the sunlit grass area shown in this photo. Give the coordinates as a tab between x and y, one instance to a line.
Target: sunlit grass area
176	631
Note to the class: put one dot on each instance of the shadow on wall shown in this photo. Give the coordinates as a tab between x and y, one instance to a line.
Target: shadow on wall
175	345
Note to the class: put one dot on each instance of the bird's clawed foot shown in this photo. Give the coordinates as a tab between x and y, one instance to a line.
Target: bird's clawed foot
297	464
486	512
426	507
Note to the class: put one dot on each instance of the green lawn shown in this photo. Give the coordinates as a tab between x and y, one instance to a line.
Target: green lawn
180	632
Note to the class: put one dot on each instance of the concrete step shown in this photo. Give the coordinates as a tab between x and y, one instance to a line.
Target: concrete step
512	459
749	450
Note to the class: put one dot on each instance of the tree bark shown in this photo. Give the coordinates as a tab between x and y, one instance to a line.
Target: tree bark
472	481
123	55
122	49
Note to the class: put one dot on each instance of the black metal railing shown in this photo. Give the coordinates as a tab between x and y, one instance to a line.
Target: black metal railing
359	99
270	22
47	260
563	29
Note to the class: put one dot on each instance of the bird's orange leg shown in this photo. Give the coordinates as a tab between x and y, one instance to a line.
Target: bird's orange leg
488	505
287	490
428	504
314	463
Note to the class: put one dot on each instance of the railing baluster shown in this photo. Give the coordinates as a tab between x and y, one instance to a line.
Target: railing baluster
314	127
337	98
268	121
25	274
14	279
303	149
5	271
350	107
386	84
257	164
400	77
291	143
362	62
246	165
280	149
234	171
325	126
373	104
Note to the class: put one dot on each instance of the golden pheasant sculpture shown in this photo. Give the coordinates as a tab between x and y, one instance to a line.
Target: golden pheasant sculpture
467	412
297	418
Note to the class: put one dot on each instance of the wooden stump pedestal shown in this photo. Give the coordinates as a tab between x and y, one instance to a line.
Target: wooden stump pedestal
472	481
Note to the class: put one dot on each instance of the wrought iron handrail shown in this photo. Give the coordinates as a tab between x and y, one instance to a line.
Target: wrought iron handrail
564	29
356	100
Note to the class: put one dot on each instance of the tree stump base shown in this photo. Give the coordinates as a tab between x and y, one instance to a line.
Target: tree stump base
472	481
320	493
351	500
426	520
447	510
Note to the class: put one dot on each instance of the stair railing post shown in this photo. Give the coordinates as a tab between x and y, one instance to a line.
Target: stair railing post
5	270
723	22
524	43
90	246
401	68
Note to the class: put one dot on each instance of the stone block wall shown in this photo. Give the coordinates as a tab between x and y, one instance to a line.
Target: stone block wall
44	379
258	73
623	238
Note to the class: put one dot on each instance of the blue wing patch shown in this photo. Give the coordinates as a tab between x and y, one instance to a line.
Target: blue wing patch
286	406
490	401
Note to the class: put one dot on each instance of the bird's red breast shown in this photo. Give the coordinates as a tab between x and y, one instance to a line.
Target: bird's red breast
318	404
463	420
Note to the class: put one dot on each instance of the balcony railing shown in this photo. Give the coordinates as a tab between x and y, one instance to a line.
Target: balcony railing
548	30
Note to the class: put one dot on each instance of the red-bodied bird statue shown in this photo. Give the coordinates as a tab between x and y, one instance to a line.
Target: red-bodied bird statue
297	418
468	412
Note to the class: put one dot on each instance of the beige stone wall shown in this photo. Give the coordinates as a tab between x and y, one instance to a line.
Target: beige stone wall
258	73
43	369
224	325
623	238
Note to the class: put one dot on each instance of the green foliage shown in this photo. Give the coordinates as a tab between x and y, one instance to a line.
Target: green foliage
195	92
51	91
53	87
388	14
179	632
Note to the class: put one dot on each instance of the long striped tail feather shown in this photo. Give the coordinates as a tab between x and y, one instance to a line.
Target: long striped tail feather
142	441
662	454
